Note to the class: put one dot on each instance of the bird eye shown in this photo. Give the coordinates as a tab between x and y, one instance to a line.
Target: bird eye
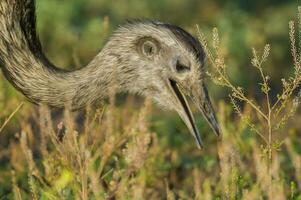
149	48
181	68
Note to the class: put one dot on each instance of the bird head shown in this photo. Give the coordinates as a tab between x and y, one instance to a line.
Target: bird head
168	66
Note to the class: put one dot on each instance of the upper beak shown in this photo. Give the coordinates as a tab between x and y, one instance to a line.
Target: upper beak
202	100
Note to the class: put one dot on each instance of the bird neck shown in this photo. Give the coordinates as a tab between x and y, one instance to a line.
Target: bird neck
42	83
102	77
27	68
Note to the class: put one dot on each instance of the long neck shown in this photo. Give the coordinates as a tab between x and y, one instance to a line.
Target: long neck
44	85
26	67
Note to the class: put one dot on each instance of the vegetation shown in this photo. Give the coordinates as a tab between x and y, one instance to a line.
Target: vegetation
127	148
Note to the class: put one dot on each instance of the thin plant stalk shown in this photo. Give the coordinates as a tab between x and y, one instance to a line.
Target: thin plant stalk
11	116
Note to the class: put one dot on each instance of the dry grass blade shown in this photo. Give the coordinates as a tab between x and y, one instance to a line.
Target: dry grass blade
11	116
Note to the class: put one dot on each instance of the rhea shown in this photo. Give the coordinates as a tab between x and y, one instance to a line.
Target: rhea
153	59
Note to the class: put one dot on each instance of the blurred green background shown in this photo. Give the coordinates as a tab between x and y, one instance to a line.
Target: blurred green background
72	32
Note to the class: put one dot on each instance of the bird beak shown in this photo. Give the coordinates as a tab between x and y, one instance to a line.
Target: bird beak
202	100
185	113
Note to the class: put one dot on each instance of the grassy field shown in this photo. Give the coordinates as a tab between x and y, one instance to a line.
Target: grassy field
129	149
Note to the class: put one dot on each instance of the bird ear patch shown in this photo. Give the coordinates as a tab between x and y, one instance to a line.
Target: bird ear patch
148	47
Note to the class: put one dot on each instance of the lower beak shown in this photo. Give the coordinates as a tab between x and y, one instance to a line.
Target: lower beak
202	101
186	115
